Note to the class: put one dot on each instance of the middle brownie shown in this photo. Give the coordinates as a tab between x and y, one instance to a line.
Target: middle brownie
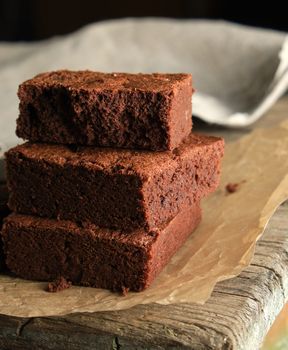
122	189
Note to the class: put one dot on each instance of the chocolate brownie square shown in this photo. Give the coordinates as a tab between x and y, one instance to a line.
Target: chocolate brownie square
45	249
120	189
142	111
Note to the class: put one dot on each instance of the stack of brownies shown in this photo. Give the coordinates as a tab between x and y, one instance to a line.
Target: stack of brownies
109	185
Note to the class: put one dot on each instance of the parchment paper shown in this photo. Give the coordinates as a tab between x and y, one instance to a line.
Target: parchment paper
219	249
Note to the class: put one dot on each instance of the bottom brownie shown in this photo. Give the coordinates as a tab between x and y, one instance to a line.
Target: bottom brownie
44	249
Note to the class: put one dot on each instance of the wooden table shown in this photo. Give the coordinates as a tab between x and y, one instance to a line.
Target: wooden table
237	316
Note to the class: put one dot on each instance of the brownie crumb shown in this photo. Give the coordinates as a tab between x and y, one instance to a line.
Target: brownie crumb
58	285
232	187
124	291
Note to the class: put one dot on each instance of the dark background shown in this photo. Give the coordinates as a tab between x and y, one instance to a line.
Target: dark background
39	19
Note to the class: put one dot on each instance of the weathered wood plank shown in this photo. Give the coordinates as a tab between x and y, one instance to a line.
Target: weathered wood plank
237	316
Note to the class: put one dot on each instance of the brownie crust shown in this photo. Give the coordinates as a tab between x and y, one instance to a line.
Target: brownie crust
119	189
138	111
46	249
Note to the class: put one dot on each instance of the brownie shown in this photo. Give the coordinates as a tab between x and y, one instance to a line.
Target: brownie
142	111
47	249
58	285
4	211
121	189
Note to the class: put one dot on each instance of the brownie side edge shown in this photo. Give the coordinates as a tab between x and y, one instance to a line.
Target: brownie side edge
172	239
180	122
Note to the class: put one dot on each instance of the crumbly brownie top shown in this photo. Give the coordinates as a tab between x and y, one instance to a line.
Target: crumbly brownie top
120	161
86	80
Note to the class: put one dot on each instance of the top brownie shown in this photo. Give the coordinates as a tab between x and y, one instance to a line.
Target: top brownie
142	111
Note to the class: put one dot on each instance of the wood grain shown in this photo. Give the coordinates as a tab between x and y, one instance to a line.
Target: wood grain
237	316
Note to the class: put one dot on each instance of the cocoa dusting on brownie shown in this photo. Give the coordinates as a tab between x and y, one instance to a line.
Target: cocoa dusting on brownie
58	285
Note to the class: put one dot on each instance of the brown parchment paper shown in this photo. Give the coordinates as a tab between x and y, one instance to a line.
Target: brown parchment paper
219	249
